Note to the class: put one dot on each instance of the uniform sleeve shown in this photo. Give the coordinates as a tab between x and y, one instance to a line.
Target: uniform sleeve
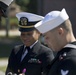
48	59
67	67
11	57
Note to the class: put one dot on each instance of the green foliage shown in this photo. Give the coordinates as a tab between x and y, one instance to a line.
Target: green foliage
23	4
13	21
28	5
3	21
32	6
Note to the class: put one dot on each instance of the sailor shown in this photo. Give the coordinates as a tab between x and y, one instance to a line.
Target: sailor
57	30
3	7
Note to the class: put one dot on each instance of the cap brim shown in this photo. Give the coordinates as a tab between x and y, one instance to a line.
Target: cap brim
7	2
26	29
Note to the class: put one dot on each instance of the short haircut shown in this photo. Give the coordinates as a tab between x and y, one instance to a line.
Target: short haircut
66	25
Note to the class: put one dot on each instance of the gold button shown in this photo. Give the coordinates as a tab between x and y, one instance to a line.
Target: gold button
18	70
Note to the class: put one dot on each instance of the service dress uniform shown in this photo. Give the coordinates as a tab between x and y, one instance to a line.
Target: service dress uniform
65	61
38	56
34	62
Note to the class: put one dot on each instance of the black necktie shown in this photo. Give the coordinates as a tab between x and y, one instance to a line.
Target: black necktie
26	48
24	53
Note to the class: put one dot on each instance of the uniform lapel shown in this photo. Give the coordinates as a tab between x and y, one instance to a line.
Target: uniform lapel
36	47
19	54
32	53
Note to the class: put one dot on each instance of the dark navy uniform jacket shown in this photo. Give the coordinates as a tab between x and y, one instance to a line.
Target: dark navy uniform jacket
34	62
65	61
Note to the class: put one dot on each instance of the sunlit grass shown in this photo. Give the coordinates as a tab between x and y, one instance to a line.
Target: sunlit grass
3	68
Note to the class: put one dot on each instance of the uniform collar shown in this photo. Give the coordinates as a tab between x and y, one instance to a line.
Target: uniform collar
70	45
32	45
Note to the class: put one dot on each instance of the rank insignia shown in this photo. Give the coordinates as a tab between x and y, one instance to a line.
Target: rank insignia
34	60
64	72
23	21
18	70
62	56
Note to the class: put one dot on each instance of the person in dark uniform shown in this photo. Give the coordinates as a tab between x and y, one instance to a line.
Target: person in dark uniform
57	30
31	56
3	7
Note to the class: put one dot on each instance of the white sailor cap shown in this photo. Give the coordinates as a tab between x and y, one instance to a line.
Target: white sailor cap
27	21
7	2
3	7
52	20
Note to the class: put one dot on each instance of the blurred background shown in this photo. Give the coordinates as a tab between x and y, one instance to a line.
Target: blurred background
9	34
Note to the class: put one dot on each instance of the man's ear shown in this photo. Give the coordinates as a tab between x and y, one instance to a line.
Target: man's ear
61	31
